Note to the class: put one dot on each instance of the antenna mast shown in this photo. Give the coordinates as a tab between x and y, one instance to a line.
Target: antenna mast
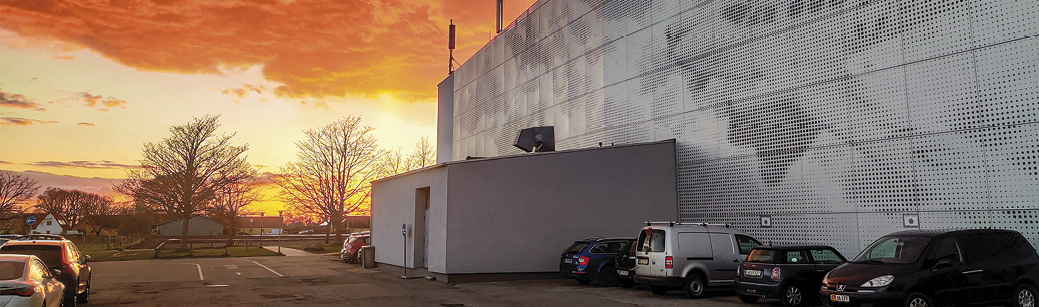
451	48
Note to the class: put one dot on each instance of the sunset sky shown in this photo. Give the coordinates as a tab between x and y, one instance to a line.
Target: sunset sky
84	84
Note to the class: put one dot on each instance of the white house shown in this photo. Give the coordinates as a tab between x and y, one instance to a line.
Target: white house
46	223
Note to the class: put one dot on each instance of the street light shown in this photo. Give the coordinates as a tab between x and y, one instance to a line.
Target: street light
281	224
261	227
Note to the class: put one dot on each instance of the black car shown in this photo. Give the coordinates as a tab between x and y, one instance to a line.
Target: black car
790	273
592	259
923	268
625	261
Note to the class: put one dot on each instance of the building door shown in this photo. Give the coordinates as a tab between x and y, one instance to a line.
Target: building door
421	229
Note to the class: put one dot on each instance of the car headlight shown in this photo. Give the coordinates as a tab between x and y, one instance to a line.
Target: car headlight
879	281
826	278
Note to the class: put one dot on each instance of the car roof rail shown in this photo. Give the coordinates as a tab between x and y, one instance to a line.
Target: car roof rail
669	223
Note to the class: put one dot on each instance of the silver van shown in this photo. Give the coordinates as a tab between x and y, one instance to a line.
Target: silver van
689	256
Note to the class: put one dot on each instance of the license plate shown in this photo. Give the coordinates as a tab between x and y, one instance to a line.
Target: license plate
622	272
643	261
840	298
752	273
568	260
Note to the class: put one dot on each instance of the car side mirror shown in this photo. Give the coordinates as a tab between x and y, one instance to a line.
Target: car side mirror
85	259
55	273
941	264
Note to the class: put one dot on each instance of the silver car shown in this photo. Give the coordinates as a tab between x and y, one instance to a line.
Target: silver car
26	281
691	257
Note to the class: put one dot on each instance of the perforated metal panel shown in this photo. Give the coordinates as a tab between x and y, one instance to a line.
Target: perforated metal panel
835	118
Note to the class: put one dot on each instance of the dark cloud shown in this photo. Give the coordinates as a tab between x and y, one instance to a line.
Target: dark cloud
18	121
11	100
103	164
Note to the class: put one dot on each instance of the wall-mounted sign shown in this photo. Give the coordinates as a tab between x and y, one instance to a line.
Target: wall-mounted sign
766	221
911	220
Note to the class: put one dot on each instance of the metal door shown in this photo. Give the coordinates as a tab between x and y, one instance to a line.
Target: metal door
725	259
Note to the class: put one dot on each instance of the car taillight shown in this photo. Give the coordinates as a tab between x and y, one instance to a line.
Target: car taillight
583	260
669	262
27	291
775	274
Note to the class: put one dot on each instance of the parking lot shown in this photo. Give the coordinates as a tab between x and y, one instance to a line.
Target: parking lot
321	280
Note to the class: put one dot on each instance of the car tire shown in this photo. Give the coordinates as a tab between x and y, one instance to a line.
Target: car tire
83	298
917	299
608	277
69	300
748	299
694	286
1025	296
584	281
658	290
793	296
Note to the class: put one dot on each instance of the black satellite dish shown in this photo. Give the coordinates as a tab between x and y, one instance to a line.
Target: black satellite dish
537	139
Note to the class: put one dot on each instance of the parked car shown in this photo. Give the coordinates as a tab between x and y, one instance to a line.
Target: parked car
63	256
625	260
26	281
790	273
691	257
351	251
923	268
592	259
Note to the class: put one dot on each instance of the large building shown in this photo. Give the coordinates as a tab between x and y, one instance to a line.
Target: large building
831	122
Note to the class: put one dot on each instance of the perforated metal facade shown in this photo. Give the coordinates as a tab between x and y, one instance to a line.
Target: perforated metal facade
835	119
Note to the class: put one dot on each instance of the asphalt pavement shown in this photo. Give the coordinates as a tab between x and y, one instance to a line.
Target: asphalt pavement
324	280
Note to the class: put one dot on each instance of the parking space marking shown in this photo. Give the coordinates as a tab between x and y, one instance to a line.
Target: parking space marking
263	266
199	271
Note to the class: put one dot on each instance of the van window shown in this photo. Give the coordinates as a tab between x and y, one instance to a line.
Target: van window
994	245
894	249
825	256
947	247
746	244
653	243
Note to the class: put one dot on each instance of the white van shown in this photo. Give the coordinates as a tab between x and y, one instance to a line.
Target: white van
689	256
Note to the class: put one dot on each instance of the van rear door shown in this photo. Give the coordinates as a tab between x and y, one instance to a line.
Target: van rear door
650	255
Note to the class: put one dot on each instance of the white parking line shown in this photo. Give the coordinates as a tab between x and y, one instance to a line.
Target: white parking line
200	272
263	266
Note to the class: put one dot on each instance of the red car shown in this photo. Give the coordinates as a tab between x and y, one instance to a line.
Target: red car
352	246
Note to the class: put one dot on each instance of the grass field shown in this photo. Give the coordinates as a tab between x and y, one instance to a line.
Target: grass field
329	248
100	252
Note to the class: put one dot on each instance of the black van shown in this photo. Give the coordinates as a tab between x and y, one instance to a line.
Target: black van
921	268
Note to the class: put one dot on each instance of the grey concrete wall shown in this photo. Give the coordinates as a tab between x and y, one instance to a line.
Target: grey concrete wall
393	204
517	214
445	118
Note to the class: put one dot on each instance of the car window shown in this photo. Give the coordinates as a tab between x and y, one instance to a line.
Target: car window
607	247
70	252
947	248
51	255
10	270
796	257
825	256
37	270
995	245
746	244
894	249
576	248
367	240
762	255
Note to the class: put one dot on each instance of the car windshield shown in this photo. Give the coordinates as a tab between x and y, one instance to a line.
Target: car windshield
576	248
51	255
894	249
10	270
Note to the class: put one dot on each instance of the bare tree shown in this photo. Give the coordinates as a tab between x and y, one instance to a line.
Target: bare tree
73	205
424	155
97	213
180	175
332	172
231	202
15	191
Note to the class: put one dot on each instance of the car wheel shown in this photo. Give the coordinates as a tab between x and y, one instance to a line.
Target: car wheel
584	281
748	299
658	290
694	286
793	296
917	299
69	300
83	298
607	277
1024	296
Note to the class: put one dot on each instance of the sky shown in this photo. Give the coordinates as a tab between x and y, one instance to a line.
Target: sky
84	84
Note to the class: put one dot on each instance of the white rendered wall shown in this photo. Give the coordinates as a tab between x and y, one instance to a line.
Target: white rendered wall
838	119
393	204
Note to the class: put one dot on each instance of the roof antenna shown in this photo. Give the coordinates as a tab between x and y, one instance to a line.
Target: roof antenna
498	18
451	48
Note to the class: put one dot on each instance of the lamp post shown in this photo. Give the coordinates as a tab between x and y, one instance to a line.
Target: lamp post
281	224
261	227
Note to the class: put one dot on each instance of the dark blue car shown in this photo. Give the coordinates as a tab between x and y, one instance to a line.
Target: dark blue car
593	259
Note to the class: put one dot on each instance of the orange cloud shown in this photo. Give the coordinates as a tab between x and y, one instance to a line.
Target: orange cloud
86	124
18	121
103	104
244	90
314	48
63	57
9	100
103	164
